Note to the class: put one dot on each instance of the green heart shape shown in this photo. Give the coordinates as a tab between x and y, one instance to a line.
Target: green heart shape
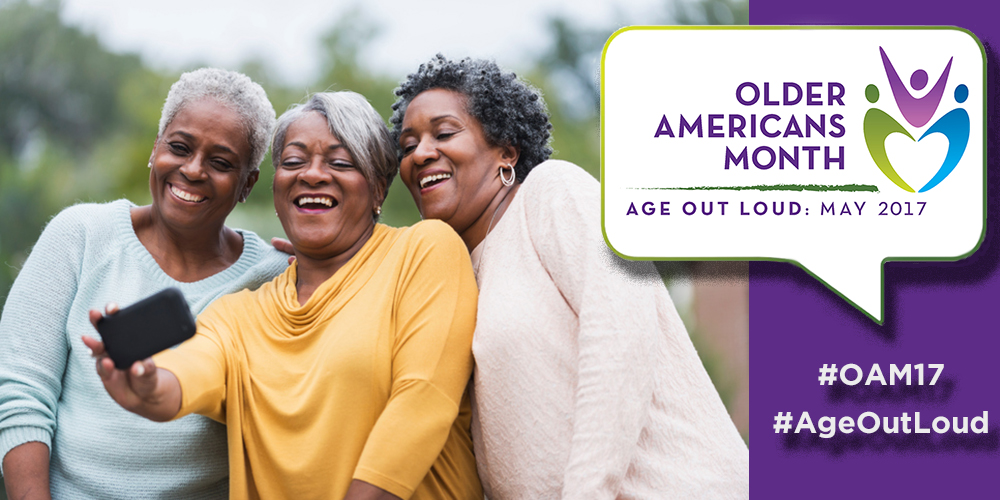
878	125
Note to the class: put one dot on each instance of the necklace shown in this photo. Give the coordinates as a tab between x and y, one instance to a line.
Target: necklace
488	229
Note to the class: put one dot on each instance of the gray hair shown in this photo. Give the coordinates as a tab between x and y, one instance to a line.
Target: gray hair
233	90
358	127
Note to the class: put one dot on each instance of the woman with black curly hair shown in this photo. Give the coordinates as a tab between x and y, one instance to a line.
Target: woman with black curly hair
586	383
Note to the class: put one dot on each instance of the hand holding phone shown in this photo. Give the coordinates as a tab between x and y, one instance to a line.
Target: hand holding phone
147	327
138	385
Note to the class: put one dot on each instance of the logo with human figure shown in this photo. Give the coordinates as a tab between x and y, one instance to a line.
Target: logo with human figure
917	111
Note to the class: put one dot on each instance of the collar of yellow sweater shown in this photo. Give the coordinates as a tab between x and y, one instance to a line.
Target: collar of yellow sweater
336	291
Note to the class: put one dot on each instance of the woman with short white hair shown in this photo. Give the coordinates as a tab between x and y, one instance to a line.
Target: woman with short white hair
60	433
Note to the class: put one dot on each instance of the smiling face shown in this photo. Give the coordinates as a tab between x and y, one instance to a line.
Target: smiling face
200	167
448	165
323	200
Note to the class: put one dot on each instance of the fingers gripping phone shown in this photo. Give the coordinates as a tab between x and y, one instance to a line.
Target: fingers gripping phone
147	327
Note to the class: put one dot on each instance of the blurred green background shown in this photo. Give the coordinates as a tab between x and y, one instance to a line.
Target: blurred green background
77	121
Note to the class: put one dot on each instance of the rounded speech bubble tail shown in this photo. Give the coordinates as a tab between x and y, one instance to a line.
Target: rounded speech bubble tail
857	280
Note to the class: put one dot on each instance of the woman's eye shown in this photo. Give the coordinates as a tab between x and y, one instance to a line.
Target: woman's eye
342	165
291	163
178	148
444	135
222	164
408	149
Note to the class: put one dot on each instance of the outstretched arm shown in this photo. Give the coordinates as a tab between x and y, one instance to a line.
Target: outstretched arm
143	389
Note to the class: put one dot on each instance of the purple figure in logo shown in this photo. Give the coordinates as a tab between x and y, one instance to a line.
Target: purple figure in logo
916	111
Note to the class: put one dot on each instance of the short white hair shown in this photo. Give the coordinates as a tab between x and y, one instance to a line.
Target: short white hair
233	90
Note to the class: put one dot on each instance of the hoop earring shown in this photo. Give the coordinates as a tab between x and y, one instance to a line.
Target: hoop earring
507	182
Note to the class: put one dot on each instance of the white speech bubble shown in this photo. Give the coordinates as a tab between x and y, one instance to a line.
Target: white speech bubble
667	191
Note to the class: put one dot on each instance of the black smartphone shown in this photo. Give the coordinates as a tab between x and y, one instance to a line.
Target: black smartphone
147	327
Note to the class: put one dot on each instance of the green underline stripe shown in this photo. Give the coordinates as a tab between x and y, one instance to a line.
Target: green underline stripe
776	187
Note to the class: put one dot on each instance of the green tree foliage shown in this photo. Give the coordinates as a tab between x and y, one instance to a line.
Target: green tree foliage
55	80
77	122
569	72
66	105
710	12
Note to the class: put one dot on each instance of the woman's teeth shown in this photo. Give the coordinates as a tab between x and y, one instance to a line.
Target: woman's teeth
184	195
433	178
320	200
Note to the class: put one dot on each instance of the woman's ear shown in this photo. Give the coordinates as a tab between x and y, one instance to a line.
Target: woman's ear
381	191
510	154
152	152
248	185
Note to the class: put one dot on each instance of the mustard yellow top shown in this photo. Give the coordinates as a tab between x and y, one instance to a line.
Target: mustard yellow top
364	381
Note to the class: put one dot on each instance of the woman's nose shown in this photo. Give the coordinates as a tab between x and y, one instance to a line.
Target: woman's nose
194	168
425	152
316	173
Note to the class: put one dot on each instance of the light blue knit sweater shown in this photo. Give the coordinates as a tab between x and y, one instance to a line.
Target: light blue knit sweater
87	256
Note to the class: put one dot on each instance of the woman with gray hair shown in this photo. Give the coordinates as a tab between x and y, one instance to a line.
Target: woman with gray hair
345	377
60	434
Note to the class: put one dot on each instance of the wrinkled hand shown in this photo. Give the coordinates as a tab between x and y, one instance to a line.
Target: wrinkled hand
130	388
283	245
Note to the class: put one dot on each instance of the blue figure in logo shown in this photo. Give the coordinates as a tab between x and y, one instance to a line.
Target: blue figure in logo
955	127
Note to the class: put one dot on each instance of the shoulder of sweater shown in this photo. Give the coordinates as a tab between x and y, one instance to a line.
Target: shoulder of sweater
559	174
433	238
88	213
560	190
233	307
433	231
268	255
555	181
235	304
87	219
225	302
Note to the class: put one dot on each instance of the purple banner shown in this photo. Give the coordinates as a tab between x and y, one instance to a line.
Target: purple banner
936	314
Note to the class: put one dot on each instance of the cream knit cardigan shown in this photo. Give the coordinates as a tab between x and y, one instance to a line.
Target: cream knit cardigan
586	382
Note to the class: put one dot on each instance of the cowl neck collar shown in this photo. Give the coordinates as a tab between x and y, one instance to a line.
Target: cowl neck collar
330	297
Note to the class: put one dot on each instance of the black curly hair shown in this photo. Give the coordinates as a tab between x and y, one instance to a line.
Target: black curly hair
510	110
